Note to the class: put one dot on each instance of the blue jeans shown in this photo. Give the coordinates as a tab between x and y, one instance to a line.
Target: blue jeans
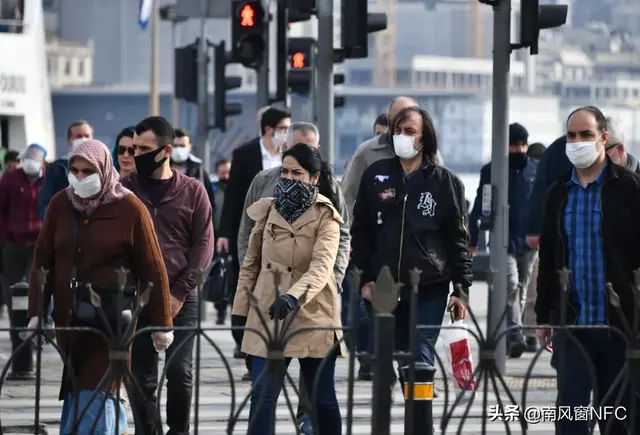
519	268
105	415
364	328
264	395
431	308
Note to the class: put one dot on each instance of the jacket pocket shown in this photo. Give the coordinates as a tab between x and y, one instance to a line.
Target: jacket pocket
435	259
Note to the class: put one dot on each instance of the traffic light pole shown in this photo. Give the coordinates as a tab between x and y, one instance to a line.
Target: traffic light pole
203	145
262	97
500	176
324	78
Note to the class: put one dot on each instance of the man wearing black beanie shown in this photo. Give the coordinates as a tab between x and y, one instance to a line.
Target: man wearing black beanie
522	172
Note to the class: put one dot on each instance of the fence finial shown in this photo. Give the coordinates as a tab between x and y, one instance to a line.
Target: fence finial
386	292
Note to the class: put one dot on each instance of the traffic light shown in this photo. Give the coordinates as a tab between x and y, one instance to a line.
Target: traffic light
221	108
186	73
301	64
355	30
248	31
535	17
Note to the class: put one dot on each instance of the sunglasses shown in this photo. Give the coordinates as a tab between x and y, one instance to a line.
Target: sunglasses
130	150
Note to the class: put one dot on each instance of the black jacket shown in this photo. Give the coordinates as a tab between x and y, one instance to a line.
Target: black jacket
620	208
410	222
246	162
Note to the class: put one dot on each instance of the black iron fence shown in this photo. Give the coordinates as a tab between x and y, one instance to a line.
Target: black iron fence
418	390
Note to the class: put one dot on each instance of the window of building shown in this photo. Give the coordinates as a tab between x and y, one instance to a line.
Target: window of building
360	77
67	68
403	77
81	68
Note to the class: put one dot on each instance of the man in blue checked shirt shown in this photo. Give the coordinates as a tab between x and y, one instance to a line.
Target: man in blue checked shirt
590	227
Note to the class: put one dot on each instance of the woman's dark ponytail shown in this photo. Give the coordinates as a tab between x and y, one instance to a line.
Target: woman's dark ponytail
326	184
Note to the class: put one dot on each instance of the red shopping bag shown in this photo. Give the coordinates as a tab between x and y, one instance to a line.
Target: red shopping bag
458	350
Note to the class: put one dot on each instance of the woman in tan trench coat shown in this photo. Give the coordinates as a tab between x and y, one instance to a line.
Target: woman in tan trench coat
296	234
95	227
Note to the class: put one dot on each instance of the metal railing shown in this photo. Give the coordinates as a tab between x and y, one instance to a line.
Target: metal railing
489	381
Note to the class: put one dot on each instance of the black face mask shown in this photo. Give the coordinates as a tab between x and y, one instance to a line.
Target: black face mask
146	163
517	160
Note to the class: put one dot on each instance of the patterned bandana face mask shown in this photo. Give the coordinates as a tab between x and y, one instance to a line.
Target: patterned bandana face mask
293	198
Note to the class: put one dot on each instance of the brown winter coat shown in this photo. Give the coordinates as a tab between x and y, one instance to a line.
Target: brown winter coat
304	253
117	234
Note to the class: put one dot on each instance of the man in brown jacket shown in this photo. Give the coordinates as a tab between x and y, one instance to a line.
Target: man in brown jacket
182	218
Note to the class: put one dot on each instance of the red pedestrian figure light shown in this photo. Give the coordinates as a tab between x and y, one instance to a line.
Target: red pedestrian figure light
298	60
247	15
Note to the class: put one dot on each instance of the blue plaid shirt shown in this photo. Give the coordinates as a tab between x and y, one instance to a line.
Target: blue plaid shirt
582	218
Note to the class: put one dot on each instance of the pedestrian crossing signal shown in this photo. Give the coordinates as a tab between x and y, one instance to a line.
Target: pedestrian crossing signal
298	60
247	16
248	31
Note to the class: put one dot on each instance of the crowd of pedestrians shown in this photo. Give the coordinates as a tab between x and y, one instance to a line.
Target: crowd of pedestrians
148	206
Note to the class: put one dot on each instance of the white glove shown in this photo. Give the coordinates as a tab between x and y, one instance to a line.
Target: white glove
162	340
33	324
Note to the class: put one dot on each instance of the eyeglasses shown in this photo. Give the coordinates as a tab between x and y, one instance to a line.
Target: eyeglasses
130	150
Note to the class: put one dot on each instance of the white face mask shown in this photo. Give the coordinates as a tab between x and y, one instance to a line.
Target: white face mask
180	154
78	141
278	139
403	146
31	167
87	187
582	154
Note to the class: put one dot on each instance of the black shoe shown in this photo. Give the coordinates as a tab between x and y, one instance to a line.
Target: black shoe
238	354
246	377
220	319
516	348
364	373
532	344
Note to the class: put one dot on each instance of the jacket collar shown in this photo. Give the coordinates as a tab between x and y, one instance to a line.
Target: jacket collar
611	172
309	216
381	142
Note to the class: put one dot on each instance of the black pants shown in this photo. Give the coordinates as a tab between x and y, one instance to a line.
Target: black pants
16	265
144	366
606	354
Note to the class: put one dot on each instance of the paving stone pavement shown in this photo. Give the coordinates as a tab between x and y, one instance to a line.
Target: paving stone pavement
17	399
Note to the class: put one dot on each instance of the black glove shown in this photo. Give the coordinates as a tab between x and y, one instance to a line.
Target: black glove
282	306
238	334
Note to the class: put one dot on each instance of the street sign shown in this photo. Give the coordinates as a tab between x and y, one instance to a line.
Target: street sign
193	9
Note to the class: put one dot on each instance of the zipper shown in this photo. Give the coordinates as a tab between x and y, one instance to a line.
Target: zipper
404	208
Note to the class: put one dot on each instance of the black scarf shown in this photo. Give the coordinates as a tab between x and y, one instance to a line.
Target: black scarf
293	198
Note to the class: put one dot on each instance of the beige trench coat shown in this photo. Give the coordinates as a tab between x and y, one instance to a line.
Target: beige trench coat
304	253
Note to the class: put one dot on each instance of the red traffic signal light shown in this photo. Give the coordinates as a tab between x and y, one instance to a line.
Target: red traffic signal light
298	60
248	31
250	14
247	16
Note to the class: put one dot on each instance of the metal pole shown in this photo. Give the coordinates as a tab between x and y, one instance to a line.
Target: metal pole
262	95
312	89
154	93
202	144
324	78
500	174
174	100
